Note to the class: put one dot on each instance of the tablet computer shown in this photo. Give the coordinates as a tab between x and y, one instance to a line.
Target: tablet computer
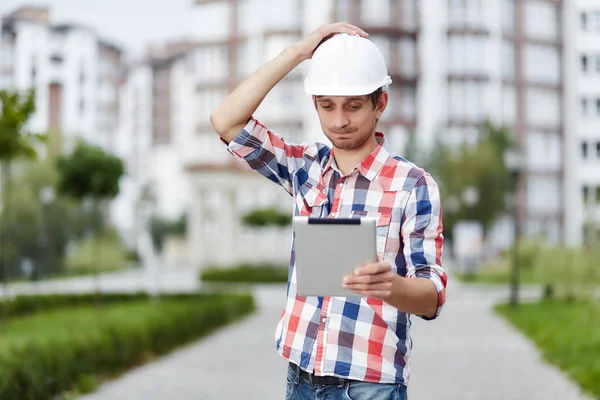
327	249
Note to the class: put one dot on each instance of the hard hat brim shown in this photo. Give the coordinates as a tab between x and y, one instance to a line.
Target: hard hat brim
335	90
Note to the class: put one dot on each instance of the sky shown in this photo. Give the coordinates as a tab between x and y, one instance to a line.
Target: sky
131	24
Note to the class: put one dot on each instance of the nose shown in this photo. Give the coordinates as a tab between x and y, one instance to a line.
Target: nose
340	120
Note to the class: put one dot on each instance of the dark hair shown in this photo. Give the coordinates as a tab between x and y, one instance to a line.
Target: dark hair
375	97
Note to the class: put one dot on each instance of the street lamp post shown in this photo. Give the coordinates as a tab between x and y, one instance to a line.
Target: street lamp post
47	198
514	161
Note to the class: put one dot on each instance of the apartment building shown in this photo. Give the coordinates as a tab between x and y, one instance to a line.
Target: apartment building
75	73
582	189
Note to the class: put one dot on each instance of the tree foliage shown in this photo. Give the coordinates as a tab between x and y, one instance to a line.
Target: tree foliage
15	142
266	217
478	167
89	172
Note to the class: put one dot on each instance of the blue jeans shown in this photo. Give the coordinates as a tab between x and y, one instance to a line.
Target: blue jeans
300	389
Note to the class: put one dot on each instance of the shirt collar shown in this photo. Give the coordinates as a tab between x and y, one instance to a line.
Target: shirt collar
371	165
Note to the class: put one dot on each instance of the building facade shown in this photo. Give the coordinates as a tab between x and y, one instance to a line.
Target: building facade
76	75
582	103
525	64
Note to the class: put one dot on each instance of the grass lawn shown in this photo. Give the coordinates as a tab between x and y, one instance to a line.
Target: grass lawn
568	335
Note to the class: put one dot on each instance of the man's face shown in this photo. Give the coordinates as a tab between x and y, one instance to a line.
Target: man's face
349	122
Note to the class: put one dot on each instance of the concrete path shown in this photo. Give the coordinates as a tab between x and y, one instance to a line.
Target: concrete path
468	353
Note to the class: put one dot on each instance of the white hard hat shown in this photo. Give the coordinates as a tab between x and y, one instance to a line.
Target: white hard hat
346	65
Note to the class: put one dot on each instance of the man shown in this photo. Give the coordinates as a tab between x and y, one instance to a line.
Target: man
346	347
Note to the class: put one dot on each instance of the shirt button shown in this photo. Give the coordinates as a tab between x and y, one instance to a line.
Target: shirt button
324	319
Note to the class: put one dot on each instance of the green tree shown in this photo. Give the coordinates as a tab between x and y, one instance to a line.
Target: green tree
60	223
15	143
476	167
90	175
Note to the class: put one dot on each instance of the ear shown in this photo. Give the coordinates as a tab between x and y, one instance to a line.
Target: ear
381	104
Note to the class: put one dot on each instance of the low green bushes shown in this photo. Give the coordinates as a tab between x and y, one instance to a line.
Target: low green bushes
565	272
247	273
50	352
28	304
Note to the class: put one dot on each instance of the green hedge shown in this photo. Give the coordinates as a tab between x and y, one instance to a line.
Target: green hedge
48	353
28	304
248	273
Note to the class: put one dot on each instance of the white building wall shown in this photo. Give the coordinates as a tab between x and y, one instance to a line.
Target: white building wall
432	93
79	50
31	53
134	146
582	39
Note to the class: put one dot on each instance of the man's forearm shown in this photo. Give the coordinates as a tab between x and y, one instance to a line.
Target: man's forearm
233	113
414	296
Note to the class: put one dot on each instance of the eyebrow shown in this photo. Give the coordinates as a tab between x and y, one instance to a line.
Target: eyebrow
324	99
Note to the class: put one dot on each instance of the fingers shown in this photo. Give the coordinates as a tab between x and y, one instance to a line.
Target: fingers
341	27
355	29
375	294
375	268
369	286
368	279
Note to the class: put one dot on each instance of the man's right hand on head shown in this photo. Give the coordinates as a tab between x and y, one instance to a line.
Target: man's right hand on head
306	47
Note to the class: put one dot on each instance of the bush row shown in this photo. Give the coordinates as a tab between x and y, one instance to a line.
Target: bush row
265	273
49	353
27	304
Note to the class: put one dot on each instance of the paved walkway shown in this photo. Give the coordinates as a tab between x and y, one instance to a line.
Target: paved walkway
468	353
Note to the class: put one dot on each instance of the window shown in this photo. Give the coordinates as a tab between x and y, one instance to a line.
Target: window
56	59
584	150
543	107
598	150
33	70
466	13
598	106
541	20
508	17
584	106
584	63
6	56
542	63
508	60
376	12
405	50
597	21
543	151
586	194
467	101
467	54
342	8
543	193
584	21
598	64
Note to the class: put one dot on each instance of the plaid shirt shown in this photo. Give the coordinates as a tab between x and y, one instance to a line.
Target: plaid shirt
353	337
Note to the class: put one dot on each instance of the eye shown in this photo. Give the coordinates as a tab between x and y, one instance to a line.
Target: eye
355	106
326	107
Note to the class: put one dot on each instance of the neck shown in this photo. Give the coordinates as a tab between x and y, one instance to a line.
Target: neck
347	160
